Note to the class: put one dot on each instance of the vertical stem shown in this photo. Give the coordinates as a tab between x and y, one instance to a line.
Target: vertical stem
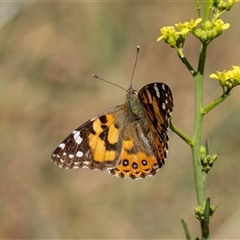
200	180
200	188
198	174
197	141
207	9
199	8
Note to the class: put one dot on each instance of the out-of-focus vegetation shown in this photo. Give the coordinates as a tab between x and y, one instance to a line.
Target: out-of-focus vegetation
48	52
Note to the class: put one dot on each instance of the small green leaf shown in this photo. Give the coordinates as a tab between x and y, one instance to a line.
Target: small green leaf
186	231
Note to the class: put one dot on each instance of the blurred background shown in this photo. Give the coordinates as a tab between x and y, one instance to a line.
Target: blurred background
48	52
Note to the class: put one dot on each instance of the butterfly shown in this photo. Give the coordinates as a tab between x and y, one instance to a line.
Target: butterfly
129	140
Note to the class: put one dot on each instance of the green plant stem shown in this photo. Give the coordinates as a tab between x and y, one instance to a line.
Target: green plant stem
198	174
207	9
205	222
199	8
197	140
200	178
185	61
198	127
214	103
181	134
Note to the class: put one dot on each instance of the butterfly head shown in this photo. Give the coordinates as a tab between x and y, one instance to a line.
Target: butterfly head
133	105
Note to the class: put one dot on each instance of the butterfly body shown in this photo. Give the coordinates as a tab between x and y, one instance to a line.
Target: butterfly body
129	140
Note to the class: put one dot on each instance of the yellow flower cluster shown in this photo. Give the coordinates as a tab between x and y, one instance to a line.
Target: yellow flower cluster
228	79
224	5
176	37
209	31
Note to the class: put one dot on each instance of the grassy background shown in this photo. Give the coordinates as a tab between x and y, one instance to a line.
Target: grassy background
48	52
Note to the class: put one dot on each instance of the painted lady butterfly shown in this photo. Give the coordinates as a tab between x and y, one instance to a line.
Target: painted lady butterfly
129	140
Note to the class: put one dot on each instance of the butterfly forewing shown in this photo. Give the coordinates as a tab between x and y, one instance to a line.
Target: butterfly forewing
93	145
157	100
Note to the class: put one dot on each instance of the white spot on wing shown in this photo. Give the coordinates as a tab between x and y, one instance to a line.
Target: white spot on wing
157	90
163	106
86	162
76	136
70	155
62	145
79	154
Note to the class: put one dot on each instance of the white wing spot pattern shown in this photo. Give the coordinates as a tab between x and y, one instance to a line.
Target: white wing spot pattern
76	136
157	90
79	154
62	145
163	106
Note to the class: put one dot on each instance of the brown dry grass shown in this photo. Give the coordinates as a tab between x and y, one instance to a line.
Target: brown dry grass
47	55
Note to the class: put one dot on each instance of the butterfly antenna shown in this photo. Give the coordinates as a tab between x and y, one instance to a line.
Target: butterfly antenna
114	84
135	64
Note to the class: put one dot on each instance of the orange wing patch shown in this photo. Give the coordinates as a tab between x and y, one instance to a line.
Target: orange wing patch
103	139
134	164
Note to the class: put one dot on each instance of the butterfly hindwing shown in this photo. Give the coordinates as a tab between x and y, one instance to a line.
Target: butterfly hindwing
137	158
